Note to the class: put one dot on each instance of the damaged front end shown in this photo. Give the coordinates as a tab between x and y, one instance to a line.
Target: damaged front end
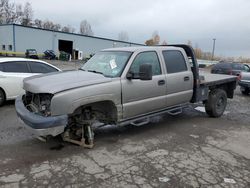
35	111
38	103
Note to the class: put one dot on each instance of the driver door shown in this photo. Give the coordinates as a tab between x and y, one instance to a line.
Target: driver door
139	96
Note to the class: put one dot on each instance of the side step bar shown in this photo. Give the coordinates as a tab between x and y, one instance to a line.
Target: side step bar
175	111
139	121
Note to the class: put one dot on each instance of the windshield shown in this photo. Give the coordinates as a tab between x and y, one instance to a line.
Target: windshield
108	63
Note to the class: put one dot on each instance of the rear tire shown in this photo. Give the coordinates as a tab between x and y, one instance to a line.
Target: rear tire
216	103
2	97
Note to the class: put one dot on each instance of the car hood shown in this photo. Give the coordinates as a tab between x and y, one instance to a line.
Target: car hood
60	81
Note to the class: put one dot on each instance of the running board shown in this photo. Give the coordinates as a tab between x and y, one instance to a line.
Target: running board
138	121
175	111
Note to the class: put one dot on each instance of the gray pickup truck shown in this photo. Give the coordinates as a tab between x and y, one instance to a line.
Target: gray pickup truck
120	86
244	83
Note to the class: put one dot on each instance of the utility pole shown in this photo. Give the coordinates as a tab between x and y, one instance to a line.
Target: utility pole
213	48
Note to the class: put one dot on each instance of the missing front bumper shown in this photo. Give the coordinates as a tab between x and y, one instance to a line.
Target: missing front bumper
40	125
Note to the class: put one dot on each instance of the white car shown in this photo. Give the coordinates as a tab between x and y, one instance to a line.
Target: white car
14	70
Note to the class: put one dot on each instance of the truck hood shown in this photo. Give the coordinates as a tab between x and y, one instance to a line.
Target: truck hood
60	81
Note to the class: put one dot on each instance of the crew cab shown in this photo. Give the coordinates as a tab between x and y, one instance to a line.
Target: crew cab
120	86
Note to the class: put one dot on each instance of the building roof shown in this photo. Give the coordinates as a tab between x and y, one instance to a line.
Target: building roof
113	40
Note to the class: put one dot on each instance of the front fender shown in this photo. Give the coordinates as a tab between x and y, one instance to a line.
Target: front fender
68	101
94	99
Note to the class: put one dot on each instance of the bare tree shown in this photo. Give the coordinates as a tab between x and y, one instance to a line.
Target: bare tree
57	27
19	13
38	23
48	25
85	28
149	42
156	38
1	12
72	29
27	15
189	43
123	36
65	29
2	5
197	51
68	29
164	43
6	12
9	12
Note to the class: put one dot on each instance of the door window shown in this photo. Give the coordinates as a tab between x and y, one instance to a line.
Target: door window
146	58
174	61
246	68
20	67
37	67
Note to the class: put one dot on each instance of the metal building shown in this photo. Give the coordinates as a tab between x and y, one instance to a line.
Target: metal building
15	39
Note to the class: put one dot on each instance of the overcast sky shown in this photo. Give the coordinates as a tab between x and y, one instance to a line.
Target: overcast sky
176	21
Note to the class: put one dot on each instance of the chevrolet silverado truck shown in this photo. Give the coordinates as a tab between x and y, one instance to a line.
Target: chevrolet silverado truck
120	86
244	83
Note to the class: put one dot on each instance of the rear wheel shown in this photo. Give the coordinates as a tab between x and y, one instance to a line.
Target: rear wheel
216	103
2	97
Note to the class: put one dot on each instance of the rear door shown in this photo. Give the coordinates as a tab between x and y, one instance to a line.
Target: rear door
179	78
37	67
13	74
143	96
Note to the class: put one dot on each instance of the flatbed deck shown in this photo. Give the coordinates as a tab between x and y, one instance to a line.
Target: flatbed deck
214	79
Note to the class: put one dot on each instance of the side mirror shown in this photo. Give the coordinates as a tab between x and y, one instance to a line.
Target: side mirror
130	75
145	72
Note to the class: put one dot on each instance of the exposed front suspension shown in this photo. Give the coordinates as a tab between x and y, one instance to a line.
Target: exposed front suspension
87	139
81	133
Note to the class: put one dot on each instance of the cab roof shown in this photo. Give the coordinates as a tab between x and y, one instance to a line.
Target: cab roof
141	48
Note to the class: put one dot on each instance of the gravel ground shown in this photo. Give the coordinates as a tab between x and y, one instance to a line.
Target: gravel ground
190	150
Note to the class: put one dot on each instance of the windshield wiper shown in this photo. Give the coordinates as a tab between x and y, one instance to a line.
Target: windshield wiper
94	71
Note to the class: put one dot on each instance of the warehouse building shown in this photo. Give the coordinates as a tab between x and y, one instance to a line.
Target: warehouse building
15	39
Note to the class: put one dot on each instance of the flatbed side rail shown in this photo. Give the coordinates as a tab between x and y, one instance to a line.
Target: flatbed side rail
227	84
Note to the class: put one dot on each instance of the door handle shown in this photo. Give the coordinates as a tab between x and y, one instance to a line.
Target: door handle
186	78
161	82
